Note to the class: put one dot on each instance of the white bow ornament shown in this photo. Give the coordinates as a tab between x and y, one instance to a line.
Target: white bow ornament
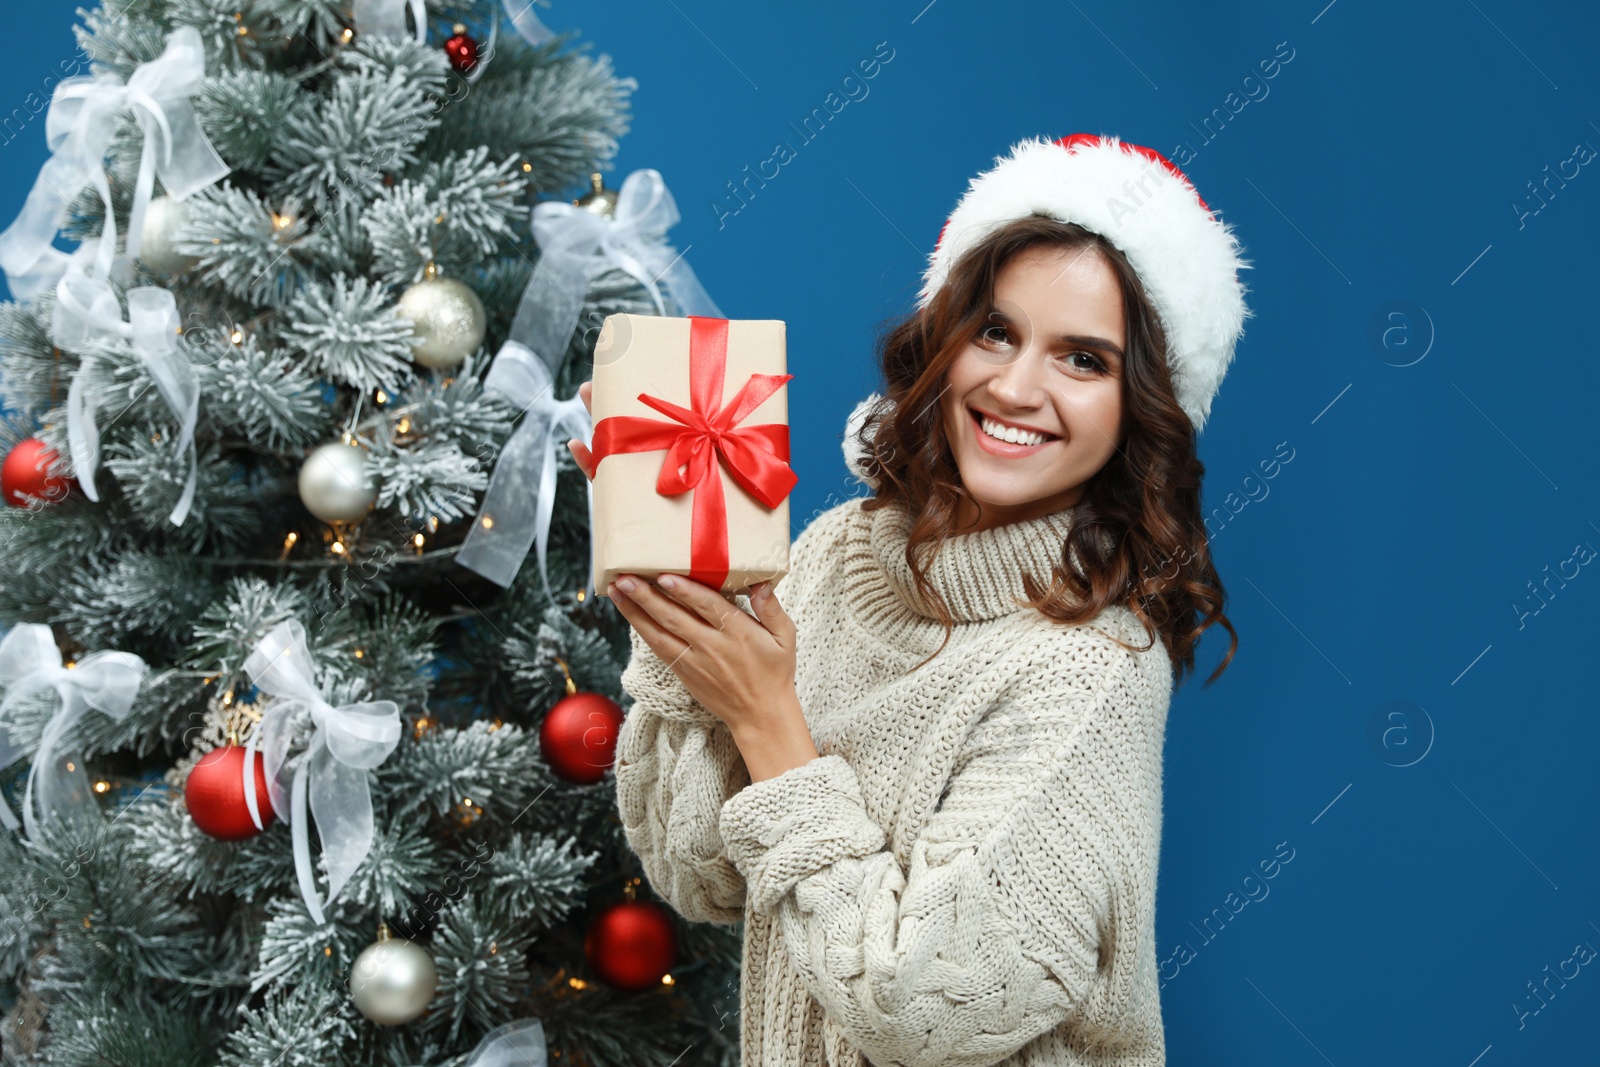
79	127
520	500
348	741
576	244
153	328
106	681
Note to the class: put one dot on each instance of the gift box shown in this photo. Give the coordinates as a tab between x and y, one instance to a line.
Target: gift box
691	450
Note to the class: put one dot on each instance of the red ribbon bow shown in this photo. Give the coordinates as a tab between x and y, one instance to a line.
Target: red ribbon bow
756	456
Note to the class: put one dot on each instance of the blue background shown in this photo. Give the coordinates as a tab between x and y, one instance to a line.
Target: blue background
1405	720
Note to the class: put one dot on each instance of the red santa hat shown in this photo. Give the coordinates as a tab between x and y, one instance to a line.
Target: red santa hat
1187	259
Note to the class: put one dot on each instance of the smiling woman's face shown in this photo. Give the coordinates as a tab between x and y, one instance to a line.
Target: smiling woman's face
1049	358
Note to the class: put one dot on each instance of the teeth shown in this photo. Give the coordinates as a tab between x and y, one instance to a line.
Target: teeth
1012	434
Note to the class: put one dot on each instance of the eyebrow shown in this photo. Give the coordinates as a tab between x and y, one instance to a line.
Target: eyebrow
1069	338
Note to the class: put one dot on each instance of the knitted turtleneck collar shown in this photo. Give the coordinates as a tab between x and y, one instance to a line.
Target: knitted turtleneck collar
979	574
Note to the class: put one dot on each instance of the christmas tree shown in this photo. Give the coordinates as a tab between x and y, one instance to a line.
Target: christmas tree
311	766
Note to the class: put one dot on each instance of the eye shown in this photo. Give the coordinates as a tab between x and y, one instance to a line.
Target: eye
984	337
1096	365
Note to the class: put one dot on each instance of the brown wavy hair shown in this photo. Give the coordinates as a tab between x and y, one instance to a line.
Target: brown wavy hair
1137	533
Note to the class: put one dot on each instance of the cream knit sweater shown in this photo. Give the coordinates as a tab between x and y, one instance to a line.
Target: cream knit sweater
967	873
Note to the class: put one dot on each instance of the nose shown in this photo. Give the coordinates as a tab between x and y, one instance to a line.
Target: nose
1017	384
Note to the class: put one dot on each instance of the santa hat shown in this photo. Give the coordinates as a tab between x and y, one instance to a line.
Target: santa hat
1187	259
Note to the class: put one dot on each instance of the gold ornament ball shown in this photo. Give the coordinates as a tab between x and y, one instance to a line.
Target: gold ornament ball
599	200
336	484
164	220
447	317
393	980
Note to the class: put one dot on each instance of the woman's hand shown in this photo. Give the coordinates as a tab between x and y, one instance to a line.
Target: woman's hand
739	666
580	452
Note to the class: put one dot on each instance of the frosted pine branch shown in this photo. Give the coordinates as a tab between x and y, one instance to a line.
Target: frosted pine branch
350	334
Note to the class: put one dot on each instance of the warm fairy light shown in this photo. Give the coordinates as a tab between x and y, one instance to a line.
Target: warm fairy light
244	31
237	336
433	524
494	948
404	425
527	168
327	950
495	725
288	542
488	522
439	219
102	787
581	594
71	663
360	654
382	397
227	699
467	801
71	766
338	548
283	221
666	979
417	540
348	34
577	983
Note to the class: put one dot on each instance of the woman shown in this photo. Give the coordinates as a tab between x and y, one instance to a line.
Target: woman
929	780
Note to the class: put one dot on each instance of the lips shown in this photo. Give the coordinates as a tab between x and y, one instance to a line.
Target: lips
979	416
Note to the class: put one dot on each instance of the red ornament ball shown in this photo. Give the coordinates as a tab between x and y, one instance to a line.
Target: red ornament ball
578	738
631	945
214	793
462	51
27	471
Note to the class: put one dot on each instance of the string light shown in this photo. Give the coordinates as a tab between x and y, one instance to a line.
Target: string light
360	654
288	543
527	168
417	540
404	425
237	336
102	787
348	34
577	983
488	522
338	548
666	979
382	397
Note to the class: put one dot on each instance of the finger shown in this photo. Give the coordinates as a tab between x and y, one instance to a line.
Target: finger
710	604
668	611
586	391
770	613
663	642
582	456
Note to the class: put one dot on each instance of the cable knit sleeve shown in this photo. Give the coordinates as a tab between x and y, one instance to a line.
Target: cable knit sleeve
1030	896
676	765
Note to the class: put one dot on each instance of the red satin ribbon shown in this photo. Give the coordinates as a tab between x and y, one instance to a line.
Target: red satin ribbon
756	456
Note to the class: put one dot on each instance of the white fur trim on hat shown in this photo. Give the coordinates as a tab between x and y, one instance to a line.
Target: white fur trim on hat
1187	259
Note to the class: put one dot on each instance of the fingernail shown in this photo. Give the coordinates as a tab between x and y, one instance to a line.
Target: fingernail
668	581
625	584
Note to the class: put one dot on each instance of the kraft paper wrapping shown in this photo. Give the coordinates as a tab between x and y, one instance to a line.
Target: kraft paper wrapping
634	529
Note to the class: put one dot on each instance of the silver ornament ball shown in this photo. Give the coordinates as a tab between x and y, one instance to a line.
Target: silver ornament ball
448	319
393	980
336	484
164	221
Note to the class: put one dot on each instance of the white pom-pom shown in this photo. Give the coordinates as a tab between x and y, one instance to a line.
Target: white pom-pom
854	453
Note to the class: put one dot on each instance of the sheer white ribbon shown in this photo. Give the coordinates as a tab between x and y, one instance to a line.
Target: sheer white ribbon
520	500
520	12
575	245
106	681
387	18
348	741
81	121
514	1044
153	328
